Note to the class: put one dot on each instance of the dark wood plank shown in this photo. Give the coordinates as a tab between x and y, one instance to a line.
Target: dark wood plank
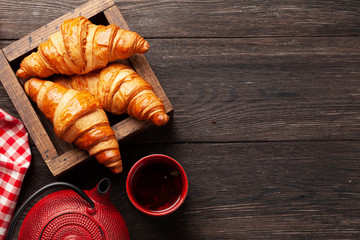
34	38
266	121
261	191
4	43
281	190
124	130
68	156
261	89
114	16
138	61
201	18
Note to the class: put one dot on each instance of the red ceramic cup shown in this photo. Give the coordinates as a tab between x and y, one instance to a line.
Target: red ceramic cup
157	185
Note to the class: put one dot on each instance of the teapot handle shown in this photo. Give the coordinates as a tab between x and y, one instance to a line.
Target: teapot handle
36	194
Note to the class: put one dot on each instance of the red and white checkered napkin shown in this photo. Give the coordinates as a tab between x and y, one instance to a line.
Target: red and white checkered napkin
15	157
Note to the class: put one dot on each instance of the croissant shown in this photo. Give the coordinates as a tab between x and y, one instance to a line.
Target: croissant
80	47
77	118
119	89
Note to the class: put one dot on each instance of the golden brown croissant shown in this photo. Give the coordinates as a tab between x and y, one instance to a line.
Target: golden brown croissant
80	47
119	89
78	118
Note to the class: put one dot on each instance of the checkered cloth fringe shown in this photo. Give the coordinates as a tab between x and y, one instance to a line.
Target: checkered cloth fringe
15	159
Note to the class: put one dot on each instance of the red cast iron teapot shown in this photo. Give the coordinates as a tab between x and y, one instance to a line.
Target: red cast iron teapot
71	215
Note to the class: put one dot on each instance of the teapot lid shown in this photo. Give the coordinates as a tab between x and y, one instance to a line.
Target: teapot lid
72	215
61	215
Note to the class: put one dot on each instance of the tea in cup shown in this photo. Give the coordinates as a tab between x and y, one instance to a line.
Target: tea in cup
157	185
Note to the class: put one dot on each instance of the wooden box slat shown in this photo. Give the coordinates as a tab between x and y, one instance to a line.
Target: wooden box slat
59	156
33	40
25	110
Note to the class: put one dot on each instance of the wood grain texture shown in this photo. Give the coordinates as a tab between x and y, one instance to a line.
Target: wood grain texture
259	89
263	89
201	18
60	145
68	156
4	43
138	61
283	190
123	130
32	40
261	191
25	110
266	120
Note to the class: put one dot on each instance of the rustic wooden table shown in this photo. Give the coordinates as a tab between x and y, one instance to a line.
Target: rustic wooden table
266	122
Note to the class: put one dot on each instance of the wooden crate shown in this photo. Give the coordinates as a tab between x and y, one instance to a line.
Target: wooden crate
58	155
